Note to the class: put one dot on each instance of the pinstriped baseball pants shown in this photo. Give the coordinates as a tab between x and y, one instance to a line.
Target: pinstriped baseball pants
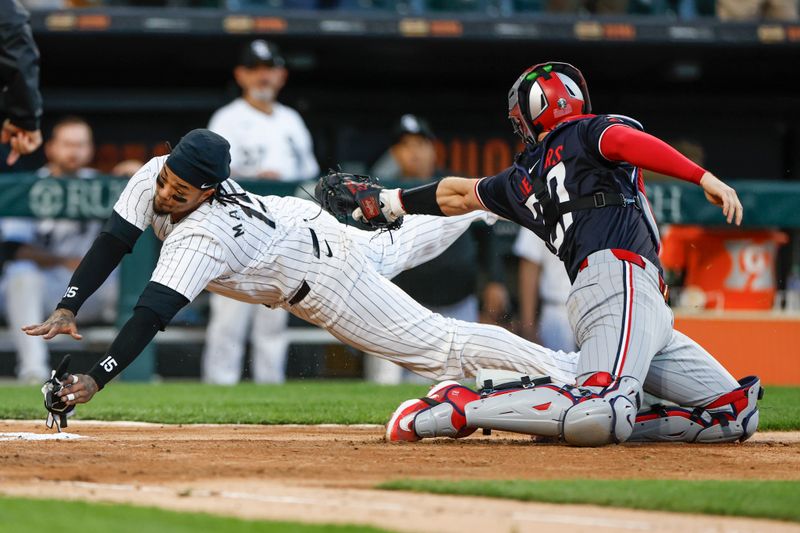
351	298
623	327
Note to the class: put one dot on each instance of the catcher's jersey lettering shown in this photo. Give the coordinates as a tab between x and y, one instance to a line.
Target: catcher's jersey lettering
570	163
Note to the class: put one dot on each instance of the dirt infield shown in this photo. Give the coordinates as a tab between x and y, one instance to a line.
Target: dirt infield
326	474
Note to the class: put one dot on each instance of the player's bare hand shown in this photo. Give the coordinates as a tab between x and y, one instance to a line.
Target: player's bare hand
718	193
78	388
61	321
22	141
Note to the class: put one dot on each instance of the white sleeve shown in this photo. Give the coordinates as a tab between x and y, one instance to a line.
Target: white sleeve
18	229
529	246
309	168
188	263
135	204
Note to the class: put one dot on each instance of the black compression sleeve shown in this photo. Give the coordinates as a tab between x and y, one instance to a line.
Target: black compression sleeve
422	200
137	332
115	240
98	263
163	301
122	229
154	310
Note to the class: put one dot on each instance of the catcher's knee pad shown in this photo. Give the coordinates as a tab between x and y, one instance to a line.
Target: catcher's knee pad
731	417
446	418
606	417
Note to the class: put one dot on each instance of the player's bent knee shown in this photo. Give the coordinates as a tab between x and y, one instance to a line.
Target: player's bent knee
606	418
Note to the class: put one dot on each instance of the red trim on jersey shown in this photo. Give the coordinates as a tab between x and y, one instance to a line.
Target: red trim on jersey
543	407
478	196
643	150
570	119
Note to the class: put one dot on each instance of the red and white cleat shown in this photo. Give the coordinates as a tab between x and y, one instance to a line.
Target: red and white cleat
401	425
452	393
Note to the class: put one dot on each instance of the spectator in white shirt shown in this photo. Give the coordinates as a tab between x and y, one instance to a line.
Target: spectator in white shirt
268	141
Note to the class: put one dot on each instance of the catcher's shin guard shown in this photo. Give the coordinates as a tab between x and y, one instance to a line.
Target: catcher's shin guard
579	416
731	417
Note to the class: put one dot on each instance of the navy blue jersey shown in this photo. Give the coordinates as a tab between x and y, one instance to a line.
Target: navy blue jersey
569	162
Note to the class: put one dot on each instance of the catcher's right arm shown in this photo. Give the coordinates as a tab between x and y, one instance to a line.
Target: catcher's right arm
343	195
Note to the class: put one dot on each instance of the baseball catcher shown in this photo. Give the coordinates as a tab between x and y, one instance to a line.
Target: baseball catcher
578	185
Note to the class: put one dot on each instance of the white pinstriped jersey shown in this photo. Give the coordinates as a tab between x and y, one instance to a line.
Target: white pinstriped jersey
219	247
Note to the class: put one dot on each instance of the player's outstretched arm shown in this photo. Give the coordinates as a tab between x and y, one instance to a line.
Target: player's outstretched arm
60	321
723	195
620	143
343	194
456	196
448	197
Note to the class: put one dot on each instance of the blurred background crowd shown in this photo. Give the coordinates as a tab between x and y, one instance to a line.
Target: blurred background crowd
293	103
731	10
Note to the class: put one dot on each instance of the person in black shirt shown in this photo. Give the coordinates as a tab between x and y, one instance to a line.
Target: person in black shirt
21	105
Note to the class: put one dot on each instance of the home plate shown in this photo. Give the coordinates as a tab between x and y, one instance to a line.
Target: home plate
39	436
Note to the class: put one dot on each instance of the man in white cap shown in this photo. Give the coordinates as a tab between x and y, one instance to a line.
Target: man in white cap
268	141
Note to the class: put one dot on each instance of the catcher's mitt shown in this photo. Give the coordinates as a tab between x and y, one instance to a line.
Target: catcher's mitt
57	409
341	193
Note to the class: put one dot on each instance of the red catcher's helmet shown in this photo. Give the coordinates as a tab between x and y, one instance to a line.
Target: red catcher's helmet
545	95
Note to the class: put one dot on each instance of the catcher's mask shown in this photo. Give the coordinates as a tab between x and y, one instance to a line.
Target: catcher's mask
544	95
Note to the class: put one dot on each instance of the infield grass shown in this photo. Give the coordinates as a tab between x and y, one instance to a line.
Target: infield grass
22	515
297	402
757	499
